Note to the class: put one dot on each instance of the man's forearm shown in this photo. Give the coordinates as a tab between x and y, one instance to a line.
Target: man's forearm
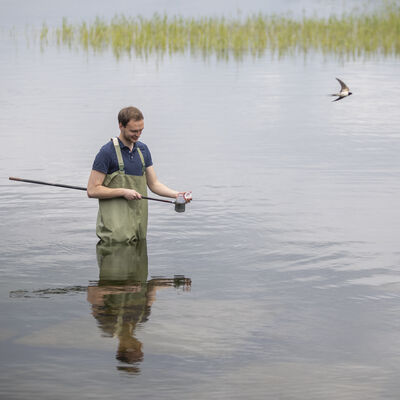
162	190
103	192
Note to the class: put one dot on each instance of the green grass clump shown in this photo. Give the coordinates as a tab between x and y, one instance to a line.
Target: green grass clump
350	35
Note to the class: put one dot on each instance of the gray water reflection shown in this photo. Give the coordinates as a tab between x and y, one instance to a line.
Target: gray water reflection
120	302
123	297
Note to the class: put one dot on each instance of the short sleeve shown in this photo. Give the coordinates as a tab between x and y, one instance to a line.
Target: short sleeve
147	160
102	161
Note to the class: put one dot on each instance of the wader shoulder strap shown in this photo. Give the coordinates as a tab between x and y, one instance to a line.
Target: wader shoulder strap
143	163
119	154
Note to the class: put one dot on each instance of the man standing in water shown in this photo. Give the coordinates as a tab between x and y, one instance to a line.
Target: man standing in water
121	173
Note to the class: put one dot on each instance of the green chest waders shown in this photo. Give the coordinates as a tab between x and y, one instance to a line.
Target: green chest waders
120	220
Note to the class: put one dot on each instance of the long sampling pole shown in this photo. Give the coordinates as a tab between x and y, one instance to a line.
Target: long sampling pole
12	178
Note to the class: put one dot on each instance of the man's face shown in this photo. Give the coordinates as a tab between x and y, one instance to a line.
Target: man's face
132	131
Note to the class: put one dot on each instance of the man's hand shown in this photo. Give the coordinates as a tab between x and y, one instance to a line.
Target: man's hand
186	195
130	194
95	189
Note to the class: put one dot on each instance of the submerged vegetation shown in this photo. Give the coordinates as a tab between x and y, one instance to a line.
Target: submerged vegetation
347	36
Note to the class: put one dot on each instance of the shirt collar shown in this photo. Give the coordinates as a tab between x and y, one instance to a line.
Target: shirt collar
126	147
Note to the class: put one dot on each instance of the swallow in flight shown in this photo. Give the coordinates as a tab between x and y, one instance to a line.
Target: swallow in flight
344	91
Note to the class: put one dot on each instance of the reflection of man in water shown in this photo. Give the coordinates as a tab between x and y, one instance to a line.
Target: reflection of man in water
123	297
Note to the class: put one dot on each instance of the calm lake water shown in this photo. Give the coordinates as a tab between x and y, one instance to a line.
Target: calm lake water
291	242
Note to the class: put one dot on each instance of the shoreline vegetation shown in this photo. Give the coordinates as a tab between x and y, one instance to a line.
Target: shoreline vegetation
351	35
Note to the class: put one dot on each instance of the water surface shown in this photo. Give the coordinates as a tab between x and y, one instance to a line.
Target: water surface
291	242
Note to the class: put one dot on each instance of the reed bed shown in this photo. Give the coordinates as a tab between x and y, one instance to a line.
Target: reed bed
350	35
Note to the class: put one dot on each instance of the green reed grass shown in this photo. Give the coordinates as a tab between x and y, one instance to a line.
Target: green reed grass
350	35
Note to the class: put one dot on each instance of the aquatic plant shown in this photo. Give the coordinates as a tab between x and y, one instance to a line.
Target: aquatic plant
362	34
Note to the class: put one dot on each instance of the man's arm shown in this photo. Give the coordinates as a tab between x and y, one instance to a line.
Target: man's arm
95	189
156	186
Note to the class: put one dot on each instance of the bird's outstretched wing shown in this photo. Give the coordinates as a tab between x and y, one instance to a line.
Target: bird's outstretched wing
342	85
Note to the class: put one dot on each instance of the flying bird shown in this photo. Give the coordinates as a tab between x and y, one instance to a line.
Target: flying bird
344	91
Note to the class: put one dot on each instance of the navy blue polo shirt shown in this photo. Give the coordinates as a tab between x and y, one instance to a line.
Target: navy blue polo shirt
106	160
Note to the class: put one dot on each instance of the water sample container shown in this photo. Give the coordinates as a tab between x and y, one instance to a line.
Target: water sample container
180	203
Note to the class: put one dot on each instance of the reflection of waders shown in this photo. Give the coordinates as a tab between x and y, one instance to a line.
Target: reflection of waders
123	278
122	263
120	220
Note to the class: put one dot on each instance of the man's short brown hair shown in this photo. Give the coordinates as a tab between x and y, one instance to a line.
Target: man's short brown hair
128	113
